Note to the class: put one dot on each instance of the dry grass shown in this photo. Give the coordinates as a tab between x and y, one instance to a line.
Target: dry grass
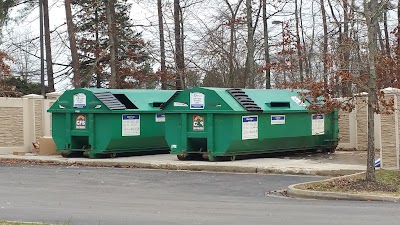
387	183
24	223
20	223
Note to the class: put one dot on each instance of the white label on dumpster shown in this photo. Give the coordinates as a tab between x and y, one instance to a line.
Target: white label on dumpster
160	118
298	101
249	127
130	125
277	119
196	100
180	104
318	124
79	100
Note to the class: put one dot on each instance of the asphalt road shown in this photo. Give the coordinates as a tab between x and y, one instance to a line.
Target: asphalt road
94	196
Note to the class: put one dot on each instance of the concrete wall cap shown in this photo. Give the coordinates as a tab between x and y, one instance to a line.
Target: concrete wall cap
55	94
33	96
391	90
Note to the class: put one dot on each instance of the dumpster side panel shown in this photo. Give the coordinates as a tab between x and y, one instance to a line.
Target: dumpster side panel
59	131
130	131
294	134
227	131
174	134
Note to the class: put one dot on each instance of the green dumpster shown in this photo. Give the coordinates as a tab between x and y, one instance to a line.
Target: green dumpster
221	123
104	122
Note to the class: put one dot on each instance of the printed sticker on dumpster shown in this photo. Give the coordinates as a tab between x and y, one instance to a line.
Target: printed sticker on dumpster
277	119
318	124
249	127
196	100
130	125
298	101
160	118
79	100
80	122
198	123
180	104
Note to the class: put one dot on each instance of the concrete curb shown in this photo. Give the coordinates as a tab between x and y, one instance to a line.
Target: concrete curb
186	167
300	193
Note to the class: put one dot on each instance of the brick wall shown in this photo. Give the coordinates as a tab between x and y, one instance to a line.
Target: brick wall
344	127
390	135
23	121
38	111
11	127
362	123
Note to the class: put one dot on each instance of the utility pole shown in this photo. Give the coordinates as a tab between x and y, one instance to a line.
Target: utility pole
43	91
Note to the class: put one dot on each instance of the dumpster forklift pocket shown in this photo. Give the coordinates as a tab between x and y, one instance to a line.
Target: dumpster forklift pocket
197	145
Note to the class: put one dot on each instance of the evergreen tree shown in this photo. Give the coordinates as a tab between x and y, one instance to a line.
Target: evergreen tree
94	46
5	6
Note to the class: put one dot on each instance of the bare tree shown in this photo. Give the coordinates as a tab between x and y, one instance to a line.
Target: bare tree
345	47
72	42
112	33
249	69
398	26
325	43
299	55
162	44
232	39
372	11
179	57
266	47
49	58
385	27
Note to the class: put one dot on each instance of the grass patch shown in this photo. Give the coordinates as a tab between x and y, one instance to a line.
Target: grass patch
387	183
26	223
20	223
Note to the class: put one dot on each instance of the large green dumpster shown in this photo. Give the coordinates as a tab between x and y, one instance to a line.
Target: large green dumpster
218	122
104	122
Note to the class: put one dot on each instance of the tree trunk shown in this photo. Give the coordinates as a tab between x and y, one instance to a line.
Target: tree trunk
249	69
379	37
72	43
266	47
49	59
310	53
43	90
97	51
162	45
299	55
345	43
232	41
398	28
370	12
112	34
306	53
338	87
231	50
385	27
325	43
179	60
183	77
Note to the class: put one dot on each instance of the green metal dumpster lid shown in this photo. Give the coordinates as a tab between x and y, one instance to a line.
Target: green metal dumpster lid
111	100
221	100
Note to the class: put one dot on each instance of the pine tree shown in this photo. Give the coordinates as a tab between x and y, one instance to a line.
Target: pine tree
94	46
5	6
